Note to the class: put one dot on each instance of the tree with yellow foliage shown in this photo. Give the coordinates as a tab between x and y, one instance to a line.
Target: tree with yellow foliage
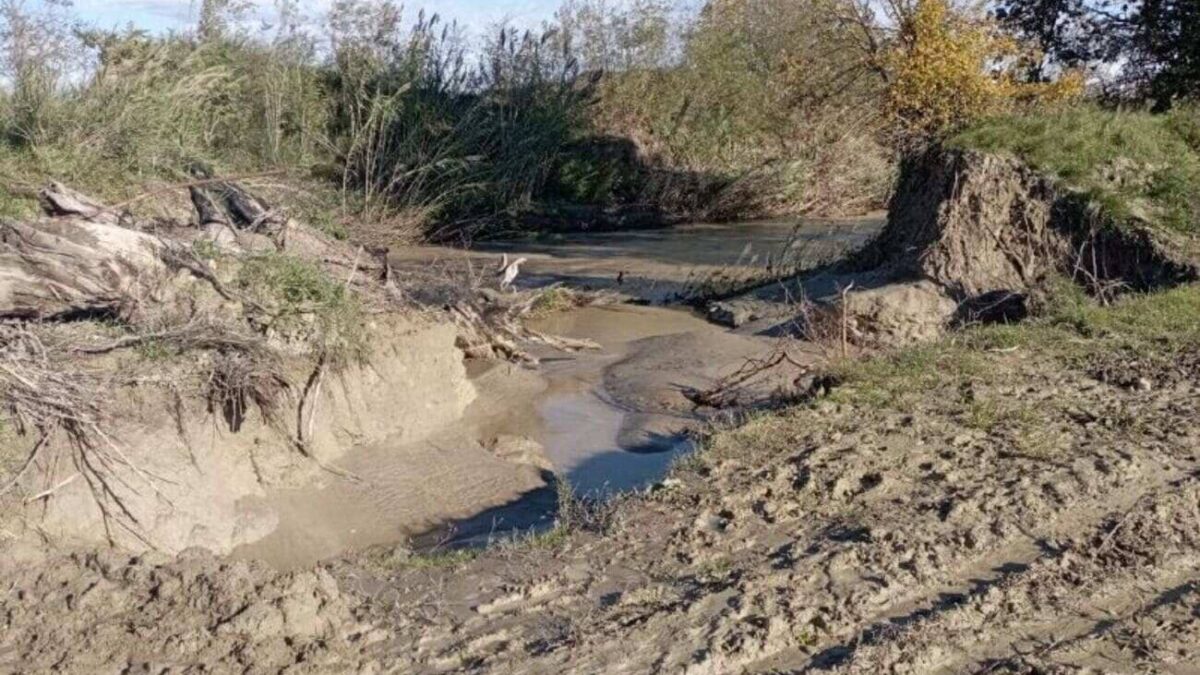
948	68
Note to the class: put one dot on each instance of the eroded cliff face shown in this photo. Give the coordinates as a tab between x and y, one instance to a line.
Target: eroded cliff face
189	474
987	231
971	223
977	223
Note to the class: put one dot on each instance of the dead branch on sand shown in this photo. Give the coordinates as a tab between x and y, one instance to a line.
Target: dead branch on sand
492	326
728	391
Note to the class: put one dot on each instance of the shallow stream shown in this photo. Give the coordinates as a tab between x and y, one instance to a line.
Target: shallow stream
606	421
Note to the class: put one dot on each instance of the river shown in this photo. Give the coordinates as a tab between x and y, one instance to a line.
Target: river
606	421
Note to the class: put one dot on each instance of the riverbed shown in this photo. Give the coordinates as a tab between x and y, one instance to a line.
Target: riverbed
666	265
606	421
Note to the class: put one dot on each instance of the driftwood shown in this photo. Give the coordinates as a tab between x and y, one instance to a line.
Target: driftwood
59	267
226	207
81	260
491	326
59	201
735	390
228	203
78	260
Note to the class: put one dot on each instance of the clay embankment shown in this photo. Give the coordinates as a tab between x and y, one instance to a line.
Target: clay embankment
974	237
163	378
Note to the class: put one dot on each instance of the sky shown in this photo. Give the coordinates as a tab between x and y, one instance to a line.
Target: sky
162	15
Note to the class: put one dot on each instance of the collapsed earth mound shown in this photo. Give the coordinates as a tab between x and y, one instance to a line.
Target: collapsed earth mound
971	236
978	223
154	374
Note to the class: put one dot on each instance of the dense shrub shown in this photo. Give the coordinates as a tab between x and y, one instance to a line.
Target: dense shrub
744	108
948	68
772	99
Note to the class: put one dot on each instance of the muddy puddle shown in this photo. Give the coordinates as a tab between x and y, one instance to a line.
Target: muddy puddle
607	421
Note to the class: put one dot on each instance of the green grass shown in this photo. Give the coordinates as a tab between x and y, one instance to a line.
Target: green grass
1073	329
320	206
1135	164
896	379
442	559
301	300
206	249
968	378
155	350
16	206
1165	320
551	539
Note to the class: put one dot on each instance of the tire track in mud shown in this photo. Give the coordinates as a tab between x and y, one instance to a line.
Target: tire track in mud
1138	562
865	529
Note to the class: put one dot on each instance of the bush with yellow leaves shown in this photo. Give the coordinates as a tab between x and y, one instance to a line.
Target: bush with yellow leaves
949	68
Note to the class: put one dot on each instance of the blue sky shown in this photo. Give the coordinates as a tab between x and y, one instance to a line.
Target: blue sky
159	15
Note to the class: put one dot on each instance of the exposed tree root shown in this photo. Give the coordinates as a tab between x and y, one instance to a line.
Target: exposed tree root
43	399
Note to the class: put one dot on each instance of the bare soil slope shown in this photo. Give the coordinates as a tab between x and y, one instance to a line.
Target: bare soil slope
978	223
973	236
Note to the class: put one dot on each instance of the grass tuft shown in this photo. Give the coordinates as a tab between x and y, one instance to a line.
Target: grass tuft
301	301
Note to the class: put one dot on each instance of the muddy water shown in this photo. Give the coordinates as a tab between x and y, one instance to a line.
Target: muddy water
606	421
598	441
659	265
600	435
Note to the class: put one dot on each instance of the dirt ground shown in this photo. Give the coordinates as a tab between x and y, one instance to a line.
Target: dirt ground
1021	512
856	538
1009	499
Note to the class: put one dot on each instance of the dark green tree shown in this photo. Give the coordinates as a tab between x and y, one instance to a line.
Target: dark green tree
1166	50
1151	46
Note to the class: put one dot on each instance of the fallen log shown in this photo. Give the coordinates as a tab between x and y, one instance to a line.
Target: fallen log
225	207
81	260
59	267
59	201
227	203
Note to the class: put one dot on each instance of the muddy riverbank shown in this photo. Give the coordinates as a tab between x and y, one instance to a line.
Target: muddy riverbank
1017	497
1001	502
606	421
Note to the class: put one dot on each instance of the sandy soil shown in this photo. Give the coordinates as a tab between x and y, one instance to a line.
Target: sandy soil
209	480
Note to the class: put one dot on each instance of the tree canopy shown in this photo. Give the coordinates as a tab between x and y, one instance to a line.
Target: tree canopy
1151	47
